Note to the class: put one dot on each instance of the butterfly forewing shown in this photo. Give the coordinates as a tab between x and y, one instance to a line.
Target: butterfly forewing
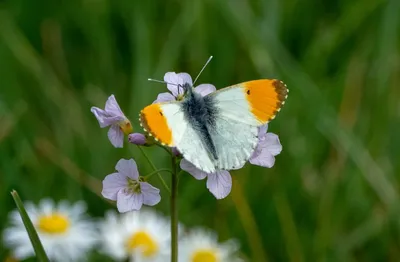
254	102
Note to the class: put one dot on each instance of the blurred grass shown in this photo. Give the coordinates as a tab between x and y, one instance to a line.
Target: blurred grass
333	194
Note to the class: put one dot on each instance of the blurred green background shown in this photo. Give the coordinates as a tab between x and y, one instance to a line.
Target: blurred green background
333	194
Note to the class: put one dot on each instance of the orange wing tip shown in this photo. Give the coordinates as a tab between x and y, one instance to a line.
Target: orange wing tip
155	124
281	89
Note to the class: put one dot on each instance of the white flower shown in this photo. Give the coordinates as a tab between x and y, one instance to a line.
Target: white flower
142	236
64	230
202	246
127	188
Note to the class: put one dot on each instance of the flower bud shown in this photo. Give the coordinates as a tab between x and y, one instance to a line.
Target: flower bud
137	139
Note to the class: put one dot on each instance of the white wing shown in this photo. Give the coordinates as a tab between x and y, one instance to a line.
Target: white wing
234	142
243	108
255	102
177	132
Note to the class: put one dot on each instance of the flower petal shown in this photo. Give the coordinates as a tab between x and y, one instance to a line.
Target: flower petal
205	89
266	149
127	168
272	144
112	107
264	159
185	78
47	206
112	184
116	136
219	183
151	195
104	118
177	79
127	202
172	77
191	169
262	130
164	97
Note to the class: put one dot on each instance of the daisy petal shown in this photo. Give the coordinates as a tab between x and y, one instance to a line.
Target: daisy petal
23	252
191	169
205	89
264	159
164	97
104	118
47	206
112	107
151	195
116	136
127	168
128	202
219	183
78	208
112	184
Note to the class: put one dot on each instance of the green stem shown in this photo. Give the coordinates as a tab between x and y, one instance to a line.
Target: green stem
33	236
154	169
174	213
157	171
166	149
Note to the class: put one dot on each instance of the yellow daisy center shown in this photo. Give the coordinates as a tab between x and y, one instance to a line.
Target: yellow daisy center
143	241
204	255
54	223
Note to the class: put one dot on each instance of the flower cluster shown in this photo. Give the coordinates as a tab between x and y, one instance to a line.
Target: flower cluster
68	234
129	189
220	182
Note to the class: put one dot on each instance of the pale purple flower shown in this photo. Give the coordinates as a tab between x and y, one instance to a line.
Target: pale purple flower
219	183
176	92
137	139
128	189
267	148
113	116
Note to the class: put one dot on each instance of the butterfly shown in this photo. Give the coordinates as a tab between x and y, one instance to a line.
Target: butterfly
220	130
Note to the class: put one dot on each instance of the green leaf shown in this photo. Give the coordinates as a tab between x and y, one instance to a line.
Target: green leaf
33	236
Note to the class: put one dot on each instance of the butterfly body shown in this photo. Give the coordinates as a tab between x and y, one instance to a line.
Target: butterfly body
217	131
201	113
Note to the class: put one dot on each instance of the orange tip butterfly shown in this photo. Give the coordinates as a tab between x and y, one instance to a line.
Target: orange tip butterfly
218	131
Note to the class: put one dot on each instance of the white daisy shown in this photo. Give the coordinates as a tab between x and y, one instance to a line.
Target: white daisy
64	230
202	246
139	235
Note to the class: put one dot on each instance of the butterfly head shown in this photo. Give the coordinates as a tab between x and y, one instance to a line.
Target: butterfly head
183	91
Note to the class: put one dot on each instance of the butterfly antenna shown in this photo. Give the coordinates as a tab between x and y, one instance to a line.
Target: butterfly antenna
160	81
208	61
